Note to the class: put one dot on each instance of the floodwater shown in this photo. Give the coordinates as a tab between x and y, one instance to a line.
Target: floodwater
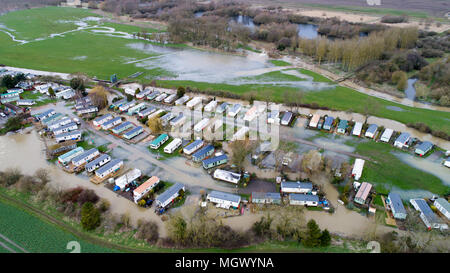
410	91
308	31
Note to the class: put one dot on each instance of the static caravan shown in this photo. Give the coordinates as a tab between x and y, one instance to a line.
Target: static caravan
180	119
396	205
127	178
130	91
235	109
357	129
111	167
45	114
265	198
155	114
51	119
447	162
251	113
182	100
217	124
274	117
166	118
9	97
387	134
424	148
363	193
193	102
240	134
102	119
133	132
85	157
126	106
358	168
147	111
164	199
161	97
214	161
65	128
173	145
443	206
118	103
143	93
224	200
371	131
143	189
201	125
111	123
156	143
133	110
287	117
428	217
153	95
328	123
342	127
98	162
227	176
87	110
303	199
222	108
314	121
122	127
67	157
211	106
26	102
296	187
203	153
170	98
59	123
13	90
402	140
74	135
194	146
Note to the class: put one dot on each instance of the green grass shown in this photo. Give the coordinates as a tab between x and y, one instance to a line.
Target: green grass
28	95
163	155
387	170
36	235
280	63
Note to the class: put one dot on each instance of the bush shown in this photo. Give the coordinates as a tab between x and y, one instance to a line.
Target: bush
391	19
10	177
148	231
90	216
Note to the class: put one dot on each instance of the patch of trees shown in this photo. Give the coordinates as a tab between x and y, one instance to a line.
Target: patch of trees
426	129
392	19
99	96
437	75
9	81
10	5
12	124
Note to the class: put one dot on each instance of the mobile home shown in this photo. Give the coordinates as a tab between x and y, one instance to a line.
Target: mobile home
371	131
274	117
98	162
87	110
235	109
110	167
424	148
240	134
227	176
297	187
126	106
85	157
314	121
102	119
342	127
221	108
26	102
143	189
428	217
251	113
59	123
265	198
396	205
45	114
201	125
357	129
133	110
387	134
170	98
67	157
143	93
180	119
153	95
363	193
214	161
194	146
443	206
303	199
72	126
328	123
193	102
122	127
173	145
224	200
203	153
147	111
133	132
164	199
402	140
156	143
111	123
127	178
74	135
287	117
161	97
182	100
211	106
358	168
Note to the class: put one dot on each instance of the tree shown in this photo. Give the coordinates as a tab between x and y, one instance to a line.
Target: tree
99	96
400	79
77	83
311	162
181	91
240	149
313	235
155	125
325	238
90	216
177	229
137	91
51	92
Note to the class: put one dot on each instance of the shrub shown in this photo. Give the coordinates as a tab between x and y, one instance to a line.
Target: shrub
148	231
90	216
391	19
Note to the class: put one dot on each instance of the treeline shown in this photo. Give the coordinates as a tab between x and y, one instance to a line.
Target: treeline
10	5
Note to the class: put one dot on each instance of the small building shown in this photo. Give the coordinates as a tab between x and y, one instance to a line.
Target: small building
133	110
424	148
87	110
167	197
358	168
274	117
127	178
447	162
133	132
98	162
224	200
118	103
155	114
166	118
182	100
67	157
357	129
287	117
251	113
402	140
25	102
303	199
13	109
221	108
240	134
126	106
297	187
85	157
74	135
387	134
235	109
153	95
110	167
265	198
214	161
45	114
9	97
396	205
443	206
111	123
72	126
147	111
180	119
328	123
363	193
211	106
203	153
193	102
371	131
314	121
161	97
192	147
122	127
51	119
59	123
143	93
342	127
102	119
173	145
227	176
143	189
170	98
201	125
428	217
157	142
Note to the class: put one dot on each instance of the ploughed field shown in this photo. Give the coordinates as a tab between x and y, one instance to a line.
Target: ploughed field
72	40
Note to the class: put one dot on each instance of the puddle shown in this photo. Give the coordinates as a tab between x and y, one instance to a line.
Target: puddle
395	108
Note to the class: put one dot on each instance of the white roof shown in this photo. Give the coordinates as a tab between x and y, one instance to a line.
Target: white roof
358	168
387	134
357	129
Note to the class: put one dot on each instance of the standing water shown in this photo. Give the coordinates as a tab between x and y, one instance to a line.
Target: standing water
410	91
308	31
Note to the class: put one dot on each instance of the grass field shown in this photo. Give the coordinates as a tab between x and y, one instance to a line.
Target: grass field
387	170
